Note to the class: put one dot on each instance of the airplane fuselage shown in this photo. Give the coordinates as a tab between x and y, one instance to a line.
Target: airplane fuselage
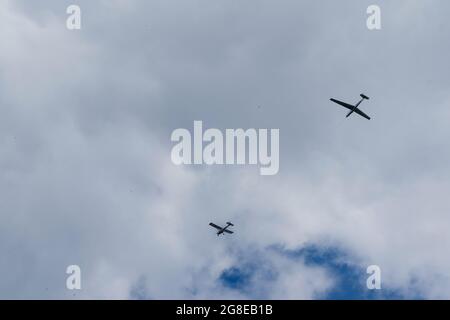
356	107
223	230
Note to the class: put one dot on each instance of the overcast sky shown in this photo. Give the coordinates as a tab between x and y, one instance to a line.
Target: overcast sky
86	176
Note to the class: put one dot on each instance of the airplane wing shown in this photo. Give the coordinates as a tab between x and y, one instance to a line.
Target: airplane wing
345	105
362	114
215	226
227	231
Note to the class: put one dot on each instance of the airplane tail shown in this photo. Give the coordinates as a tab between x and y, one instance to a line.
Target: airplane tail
229	223
364	96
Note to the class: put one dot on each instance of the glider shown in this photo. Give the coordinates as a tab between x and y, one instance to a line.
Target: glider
353	108
222	230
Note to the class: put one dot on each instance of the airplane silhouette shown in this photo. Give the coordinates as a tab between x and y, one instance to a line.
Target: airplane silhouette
222	230
353	108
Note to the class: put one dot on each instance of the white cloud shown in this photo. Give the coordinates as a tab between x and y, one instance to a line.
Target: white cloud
86	175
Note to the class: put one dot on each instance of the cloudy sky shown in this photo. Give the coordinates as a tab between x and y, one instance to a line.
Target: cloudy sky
86	176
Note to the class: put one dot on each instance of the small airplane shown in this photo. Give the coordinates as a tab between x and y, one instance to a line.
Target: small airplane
355	107
222	230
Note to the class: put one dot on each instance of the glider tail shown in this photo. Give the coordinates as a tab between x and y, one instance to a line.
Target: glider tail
364	96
